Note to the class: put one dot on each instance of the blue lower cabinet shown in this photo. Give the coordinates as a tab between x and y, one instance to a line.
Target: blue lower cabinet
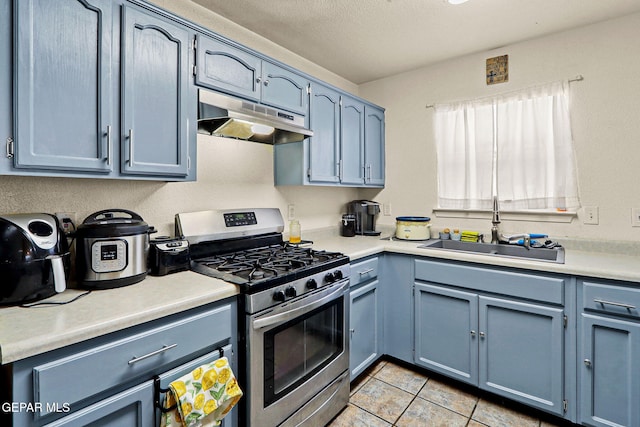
446	325
511	348
521	352
609	372
364	329
132	408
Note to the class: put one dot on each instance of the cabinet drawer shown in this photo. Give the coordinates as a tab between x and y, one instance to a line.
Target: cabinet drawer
513	283
363	271
81	375
610	299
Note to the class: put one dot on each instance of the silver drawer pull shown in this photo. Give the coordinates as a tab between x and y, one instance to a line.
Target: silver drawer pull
367	271
153	353
617	304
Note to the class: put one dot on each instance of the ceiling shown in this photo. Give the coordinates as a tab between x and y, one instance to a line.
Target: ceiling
365	40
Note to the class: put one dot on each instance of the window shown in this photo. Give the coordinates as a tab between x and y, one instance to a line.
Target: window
517	146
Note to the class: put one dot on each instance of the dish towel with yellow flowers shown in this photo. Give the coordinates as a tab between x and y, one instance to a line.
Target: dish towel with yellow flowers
204	396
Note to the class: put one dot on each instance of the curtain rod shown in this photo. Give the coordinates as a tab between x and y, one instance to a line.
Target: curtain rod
577	78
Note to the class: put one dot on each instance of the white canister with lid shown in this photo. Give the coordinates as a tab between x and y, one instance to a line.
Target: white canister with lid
413	227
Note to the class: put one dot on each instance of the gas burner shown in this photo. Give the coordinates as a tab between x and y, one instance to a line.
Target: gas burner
262	264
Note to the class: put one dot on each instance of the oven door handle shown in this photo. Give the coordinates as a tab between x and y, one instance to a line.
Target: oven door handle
292	314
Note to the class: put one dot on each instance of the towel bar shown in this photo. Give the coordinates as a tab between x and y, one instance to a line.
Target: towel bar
157	390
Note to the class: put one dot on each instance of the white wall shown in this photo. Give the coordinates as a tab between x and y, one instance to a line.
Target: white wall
605	110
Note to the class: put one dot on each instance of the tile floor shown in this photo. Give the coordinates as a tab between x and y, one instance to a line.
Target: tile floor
392	395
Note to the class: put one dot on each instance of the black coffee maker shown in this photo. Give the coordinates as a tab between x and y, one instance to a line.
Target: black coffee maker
365	212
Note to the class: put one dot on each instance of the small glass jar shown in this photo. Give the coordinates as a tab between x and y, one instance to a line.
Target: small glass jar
294	231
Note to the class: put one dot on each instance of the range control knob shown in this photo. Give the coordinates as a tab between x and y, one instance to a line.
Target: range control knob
290	292
338	275
279	296
312	284
329	278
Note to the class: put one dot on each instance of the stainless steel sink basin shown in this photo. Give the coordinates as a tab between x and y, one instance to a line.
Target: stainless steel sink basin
502	250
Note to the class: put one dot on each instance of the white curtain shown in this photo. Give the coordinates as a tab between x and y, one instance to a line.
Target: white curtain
532	159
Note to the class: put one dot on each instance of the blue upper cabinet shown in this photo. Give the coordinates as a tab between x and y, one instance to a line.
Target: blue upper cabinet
223	67
352	141
283	89
62	85
226	68
6	110
347	146
157	108
374	154
324	145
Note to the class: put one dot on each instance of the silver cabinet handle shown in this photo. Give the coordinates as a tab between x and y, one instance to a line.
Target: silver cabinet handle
153	353
617	304
473	333
258	80
482	335
352	331
367	271
130	147
587	362
109	145
266	82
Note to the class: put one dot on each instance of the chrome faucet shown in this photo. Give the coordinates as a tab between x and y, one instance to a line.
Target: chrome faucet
495	220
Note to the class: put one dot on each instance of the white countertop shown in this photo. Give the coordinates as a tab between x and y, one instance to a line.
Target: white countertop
25	332
605	265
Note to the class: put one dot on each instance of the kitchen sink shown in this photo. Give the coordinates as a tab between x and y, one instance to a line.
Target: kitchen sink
501	250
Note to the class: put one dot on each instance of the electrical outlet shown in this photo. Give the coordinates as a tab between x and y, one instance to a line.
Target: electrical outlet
291	211
590	215
635	217
67	221
386	209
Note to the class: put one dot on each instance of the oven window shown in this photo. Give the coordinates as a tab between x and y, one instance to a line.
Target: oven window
297	350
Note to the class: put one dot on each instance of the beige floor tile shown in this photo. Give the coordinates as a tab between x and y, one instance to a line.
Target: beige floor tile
403	378
495	415
373	369
424	413
352	416
357	383
474	423
449	397
381	399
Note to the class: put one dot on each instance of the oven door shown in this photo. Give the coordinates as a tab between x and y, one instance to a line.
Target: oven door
296	350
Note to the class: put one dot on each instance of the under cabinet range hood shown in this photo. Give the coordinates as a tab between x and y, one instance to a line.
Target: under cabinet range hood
222	115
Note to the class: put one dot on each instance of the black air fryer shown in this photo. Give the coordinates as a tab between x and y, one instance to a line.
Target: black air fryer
34	258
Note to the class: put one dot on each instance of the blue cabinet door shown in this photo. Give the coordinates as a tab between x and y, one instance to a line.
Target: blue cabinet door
374	154
522	352
6	110
132	407
609	372
228	69
158	104
324	145
62	85
446	325
364	329
283	89
396	281
351	141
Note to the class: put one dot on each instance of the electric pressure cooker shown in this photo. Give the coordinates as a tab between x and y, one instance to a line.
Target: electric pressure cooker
34	258
112	247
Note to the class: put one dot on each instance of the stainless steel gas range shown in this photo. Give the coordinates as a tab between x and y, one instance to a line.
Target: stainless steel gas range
293	314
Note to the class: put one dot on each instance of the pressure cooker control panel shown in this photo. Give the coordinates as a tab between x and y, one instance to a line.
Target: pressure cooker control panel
108	256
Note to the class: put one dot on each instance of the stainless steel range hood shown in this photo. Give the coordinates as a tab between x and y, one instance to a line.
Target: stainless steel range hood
222	115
